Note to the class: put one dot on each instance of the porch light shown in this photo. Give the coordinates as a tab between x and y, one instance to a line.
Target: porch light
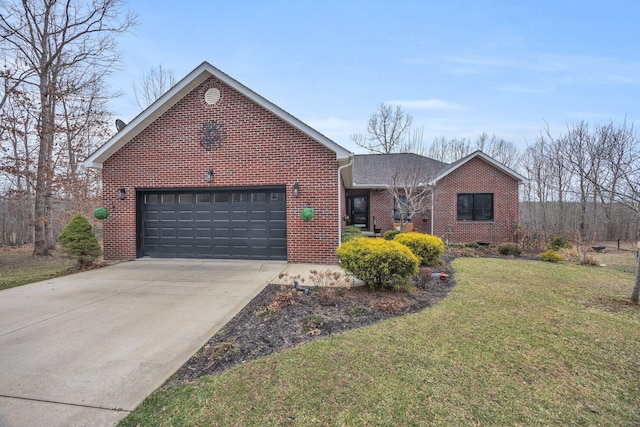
122	193
209	175
296	189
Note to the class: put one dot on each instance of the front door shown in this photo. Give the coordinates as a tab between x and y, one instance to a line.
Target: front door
359	211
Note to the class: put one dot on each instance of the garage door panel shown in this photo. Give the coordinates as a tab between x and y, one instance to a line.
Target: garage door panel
168	215
168	232
277	215
220	215
203	233
249	224
186	216
151	215
185	232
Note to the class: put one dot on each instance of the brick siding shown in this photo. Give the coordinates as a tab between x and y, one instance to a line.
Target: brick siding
476	176
260	150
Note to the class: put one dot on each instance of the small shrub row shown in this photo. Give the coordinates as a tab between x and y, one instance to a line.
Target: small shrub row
384	263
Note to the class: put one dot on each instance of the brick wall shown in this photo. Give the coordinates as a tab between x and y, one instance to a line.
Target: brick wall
260	149
476	176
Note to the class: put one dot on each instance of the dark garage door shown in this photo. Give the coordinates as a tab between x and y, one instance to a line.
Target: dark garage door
242	224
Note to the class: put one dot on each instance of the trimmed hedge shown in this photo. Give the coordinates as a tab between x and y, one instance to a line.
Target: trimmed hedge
379	263
426	247
78	240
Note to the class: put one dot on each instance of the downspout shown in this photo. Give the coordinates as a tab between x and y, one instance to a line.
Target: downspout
340	197
432	208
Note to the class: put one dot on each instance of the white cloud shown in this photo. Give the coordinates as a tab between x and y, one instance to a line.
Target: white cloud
524	89
426	104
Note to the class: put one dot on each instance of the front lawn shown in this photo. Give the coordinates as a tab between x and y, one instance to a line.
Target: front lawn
18	267
515	343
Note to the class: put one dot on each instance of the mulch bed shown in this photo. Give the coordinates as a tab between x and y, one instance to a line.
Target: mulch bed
281	317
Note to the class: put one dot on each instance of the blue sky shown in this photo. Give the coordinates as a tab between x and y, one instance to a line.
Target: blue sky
459	68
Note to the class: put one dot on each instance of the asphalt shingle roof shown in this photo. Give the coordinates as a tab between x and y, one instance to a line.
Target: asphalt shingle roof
378	170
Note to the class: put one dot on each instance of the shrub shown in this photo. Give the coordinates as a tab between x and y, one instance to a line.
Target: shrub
351	232
579	257
391	234
426	247
551	256
379	263
79	241
510	249
558	243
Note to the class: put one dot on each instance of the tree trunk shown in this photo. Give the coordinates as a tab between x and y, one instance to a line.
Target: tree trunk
635	295
42	209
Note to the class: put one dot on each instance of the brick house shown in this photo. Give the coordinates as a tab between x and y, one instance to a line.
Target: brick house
214	170
472	199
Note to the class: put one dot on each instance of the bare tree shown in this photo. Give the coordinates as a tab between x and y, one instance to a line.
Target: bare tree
152	86
449	150
619	148
386	130
499	149
65	46
411	187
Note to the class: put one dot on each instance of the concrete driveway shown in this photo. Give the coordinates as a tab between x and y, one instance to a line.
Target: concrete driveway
86	349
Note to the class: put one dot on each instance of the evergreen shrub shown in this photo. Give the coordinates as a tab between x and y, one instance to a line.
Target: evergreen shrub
558	243
426	247
551	256
351	232
510	249
79	241
379	263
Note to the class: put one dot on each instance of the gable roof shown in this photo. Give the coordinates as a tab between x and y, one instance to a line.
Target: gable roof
180	90
455	165
378	170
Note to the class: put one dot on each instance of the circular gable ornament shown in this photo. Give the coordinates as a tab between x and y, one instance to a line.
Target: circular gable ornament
306	214
212	95
212	135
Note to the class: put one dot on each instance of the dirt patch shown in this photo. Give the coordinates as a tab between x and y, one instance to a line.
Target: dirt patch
281	317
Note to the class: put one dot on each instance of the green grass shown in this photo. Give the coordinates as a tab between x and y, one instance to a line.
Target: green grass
518	343
19	267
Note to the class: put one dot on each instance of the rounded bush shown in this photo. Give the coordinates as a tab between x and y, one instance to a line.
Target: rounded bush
510	249
101	213
558	243
426	247
551	256
78	240
379	263
390	234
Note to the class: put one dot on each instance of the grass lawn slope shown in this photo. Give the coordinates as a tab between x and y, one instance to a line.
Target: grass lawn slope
515	343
